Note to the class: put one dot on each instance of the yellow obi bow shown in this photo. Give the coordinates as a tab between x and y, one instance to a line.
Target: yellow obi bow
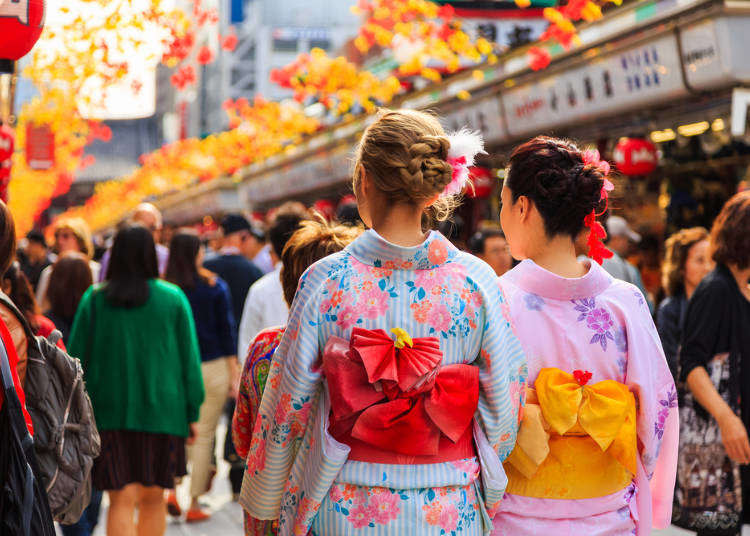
576	441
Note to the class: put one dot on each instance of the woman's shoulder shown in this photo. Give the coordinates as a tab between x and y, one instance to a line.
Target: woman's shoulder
165	290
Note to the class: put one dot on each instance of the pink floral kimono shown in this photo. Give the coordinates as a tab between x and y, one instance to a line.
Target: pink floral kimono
598	325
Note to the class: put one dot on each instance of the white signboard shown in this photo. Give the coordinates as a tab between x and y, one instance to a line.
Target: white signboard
715	52
628	80
482	114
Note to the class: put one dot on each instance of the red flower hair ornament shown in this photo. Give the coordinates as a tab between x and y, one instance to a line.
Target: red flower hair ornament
597	250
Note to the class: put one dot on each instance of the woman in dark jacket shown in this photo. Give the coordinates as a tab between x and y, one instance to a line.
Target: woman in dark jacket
214	322
715	400
687	261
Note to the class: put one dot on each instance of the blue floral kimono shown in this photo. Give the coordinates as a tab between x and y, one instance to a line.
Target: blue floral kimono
299	473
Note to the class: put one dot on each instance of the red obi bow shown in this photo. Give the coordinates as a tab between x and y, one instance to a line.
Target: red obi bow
395	397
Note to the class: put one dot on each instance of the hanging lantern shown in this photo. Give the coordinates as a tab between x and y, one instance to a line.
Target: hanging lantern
482	182
636	156
21	23
326	208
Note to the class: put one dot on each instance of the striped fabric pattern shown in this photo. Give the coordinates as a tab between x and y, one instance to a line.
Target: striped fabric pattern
429	290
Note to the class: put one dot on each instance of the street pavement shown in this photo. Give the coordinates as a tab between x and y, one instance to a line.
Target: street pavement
227	515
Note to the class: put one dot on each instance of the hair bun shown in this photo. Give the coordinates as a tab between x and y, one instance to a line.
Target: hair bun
428	166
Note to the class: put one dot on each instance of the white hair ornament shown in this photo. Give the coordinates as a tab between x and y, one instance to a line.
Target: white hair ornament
465	145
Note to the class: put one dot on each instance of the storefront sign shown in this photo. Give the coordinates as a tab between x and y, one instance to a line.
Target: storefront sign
632	79
483	115
636	156
40	146
711	62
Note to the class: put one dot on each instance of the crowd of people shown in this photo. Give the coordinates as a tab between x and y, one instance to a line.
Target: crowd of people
372	372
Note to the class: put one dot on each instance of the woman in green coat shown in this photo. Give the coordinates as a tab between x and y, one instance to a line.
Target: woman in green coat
137	343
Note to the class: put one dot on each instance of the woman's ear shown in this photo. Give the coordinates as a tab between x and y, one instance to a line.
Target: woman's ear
524	205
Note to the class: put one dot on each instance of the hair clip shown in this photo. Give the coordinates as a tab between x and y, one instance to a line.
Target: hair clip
465	145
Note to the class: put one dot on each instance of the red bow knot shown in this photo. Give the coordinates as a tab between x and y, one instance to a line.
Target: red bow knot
582	377
397	399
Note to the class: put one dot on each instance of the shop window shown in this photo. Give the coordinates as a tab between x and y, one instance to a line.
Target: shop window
285	45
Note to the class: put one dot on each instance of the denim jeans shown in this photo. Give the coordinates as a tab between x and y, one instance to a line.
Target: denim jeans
89	518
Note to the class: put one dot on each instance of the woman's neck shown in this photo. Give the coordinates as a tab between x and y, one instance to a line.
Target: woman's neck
558	256
400	225
742	277
689	289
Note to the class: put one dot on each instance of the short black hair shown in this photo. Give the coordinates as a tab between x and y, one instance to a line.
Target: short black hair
348	214
282	229
478	239
36	236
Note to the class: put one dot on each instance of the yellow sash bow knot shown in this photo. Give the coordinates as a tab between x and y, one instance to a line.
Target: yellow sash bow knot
560	407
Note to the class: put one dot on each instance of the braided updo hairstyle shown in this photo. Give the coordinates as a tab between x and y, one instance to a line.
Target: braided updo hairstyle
405	153
551	172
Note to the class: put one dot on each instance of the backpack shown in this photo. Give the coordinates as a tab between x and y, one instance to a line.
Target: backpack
66	439
24	509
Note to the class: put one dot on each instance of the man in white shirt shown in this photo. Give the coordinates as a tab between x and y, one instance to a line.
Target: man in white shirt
265	306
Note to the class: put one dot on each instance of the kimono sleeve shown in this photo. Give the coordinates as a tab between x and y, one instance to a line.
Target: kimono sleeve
292	385
649	378
502	375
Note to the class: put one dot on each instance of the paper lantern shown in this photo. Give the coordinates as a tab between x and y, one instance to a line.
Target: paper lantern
482	182
326	208
7	143
40	146
21	23
636	156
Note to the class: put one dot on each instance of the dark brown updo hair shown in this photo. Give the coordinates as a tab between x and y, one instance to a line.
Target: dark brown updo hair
551	172
405	153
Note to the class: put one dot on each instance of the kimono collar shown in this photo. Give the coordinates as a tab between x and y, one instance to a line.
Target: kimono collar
372	249
534	279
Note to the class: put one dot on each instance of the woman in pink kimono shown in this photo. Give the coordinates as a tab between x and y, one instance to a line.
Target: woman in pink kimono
596	453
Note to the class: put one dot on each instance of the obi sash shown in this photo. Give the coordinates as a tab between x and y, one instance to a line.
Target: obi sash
393	402
576	441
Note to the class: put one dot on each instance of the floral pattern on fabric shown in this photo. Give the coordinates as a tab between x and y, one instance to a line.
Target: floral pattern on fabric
534	302
669	401
252	384
452	509
597	319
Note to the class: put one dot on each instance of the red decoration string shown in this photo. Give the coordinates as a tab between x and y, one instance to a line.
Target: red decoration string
597	234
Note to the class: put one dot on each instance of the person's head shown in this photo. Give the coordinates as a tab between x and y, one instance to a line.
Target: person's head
237	232
71	276
185	264
282	228
131	265
490	246
73	234
314	240
18	289
620	236
149	216
547	193
348	214
730	234
36	246
7	238
687	260
402	161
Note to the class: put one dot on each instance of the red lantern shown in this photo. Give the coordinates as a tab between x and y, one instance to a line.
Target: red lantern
636	156
482	180
21	23
326	208
7	143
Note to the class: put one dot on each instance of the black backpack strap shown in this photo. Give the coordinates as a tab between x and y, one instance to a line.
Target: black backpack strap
15	413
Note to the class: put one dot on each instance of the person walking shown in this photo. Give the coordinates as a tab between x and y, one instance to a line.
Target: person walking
71	234
490	246
71	277
407	331
686	262
315	240
715	400
620	237
597	447
265	306
35	257
139	351
234	267
212	310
